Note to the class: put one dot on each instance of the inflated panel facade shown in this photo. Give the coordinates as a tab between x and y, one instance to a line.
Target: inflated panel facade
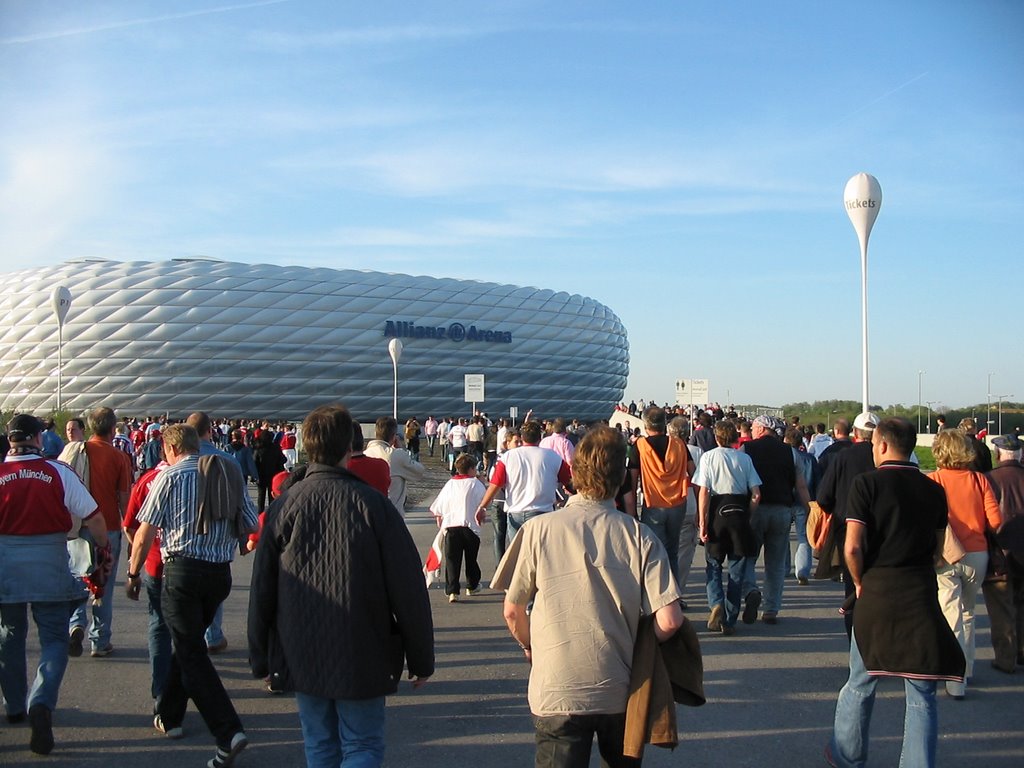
261	340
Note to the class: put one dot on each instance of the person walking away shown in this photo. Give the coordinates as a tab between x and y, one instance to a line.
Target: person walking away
269	461
1004	593
973	511
730	491
457	511
895	520
39	498
338	604
782	490
204	514
579	679
108	477
665	471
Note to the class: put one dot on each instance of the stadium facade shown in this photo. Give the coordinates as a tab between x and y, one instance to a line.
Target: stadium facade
261	340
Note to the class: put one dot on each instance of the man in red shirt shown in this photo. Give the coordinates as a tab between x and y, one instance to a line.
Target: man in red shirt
39	500
109	481
376	472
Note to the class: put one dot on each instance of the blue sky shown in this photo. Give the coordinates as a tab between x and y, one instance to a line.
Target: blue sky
683	163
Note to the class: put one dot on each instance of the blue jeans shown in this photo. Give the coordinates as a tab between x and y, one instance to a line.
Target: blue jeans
499	521
214	632
101	628
802	560
517	520
159	636
771	524
667	524
342	731
731	595
853	719
52	624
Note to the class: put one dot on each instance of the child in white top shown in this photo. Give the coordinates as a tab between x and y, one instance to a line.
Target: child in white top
455	509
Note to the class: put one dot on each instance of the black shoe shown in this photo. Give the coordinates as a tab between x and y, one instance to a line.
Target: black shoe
41	720
75	639
752	603
17	717
226	756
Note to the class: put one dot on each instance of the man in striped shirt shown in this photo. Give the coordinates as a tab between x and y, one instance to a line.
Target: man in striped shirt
200	533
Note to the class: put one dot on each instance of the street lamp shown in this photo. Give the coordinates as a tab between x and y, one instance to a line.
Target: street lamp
930	403
863	199
1001	397
395	350
60	300
920	376
988	413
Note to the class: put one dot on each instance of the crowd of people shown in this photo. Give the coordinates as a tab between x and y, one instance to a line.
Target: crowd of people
593	525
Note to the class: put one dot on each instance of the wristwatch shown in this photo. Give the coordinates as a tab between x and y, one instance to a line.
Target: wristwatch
132	576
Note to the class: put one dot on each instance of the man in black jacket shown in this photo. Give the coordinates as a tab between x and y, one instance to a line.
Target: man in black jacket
833	493
338	603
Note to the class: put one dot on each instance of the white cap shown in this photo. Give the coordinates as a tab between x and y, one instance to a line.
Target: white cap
866	420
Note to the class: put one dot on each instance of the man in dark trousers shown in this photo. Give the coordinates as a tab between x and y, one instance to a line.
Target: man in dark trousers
204	513
896	520
832	495
1004	594
782	489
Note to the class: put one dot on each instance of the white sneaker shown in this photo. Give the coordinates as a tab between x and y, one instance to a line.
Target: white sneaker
453	598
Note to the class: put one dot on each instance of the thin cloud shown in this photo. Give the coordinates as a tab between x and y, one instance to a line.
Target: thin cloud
134	23
881	98
281	41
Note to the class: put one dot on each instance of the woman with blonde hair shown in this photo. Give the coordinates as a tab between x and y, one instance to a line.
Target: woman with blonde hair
972	509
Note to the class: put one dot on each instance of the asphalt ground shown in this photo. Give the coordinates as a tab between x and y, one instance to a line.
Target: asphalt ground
771	692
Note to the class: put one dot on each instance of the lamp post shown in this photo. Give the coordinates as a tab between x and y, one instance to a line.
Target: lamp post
60	300
395	350
988	412
863	199
930	403
1001	398
920	377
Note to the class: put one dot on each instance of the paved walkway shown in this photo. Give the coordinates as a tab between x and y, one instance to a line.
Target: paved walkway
771	694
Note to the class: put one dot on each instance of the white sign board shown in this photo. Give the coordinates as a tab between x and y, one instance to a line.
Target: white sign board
690	391
513	411
474	388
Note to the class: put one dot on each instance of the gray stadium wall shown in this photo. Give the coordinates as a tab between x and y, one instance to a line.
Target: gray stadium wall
261	340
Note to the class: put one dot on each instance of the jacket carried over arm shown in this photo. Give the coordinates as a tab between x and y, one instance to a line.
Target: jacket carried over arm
338	601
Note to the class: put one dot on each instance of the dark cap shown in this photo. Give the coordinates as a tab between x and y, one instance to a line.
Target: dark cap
1008	443
24	427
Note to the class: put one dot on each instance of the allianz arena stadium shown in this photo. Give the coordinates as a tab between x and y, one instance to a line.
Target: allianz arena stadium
260	340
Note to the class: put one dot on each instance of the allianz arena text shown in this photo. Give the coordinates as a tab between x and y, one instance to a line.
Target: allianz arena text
261	340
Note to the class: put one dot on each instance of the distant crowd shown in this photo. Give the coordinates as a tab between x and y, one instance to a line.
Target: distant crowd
596	522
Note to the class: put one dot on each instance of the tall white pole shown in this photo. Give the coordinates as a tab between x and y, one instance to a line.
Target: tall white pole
988	411
920	376
395	350
60	301
1001	398
863	199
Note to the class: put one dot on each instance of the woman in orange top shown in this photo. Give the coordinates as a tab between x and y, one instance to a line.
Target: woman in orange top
972	509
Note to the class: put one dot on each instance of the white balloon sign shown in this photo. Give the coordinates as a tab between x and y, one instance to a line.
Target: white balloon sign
863	199
60	300
395	350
